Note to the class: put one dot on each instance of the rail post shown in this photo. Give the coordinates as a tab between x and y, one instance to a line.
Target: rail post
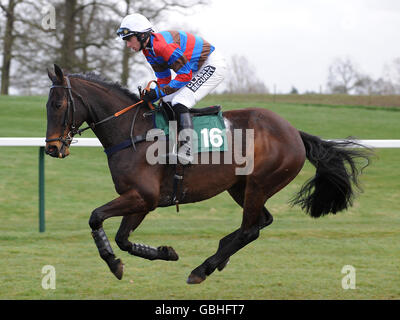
41	190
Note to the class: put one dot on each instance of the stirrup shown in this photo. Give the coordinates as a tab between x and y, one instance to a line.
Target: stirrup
185	155
185	159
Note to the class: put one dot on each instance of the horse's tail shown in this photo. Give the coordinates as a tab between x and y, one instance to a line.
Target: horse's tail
332	188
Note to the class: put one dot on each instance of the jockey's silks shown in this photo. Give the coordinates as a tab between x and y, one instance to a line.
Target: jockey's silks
180	51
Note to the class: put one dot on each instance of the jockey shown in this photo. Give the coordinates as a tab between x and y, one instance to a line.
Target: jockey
198	68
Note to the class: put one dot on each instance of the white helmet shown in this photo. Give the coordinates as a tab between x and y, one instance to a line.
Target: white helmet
134	24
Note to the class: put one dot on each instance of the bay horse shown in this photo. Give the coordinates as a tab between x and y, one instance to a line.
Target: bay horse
280	151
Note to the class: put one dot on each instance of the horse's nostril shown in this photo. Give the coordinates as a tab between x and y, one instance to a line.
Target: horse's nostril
52	151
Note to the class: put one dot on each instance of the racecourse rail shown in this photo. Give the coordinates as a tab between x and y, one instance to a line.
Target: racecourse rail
94	142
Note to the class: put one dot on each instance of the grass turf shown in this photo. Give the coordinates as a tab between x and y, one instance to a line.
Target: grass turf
297	257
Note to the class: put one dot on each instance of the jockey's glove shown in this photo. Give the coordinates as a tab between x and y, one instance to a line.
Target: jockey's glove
150	96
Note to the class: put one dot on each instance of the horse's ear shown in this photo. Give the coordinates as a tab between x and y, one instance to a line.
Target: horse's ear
51	75
59	73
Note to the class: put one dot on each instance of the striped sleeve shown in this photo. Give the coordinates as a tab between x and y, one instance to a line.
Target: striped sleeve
163	75
177	61
161	69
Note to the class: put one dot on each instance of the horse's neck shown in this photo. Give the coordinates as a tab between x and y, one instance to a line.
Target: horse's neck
104	104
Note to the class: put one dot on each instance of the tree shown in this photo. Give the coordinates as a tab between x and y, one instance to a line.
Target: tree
33	46
8	41
83	40
392	74
294	90
343	76
242	77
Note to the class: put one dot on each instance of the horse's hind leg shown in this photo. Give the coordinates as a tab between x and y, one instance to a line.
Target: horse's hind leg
266	219
237	193
129	224
248	232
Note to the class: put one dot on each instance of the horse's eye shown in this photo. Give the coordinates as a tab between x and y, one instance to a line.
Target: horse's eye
58	105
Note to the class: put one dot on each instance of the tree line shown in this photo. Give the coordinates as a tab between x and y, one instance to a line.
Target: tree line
346	77
79	35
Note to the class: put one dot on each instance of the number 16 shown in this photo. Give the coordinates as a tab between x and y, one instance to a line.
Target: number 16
214	136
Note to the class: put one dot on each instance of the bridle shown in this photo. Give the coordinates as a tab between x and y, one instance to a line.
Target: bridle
71	108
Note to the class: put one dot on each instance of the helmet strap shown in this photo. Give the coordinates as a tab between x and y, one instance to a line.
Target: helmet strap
142	39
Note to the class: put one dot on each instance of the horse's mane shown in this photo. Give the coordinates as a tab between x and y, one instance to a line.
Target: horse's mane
103	81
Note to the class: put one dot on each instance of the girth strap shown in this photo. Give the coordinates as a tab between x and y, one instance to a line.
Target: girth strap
177	185
124	144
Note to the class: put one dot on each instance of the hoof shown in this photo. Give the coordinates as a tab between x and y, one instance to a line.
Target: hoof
223	265
117	268
194	279
167	253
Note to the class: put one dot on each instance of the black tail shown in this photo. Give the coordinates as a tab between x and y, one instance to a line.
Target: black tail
332	188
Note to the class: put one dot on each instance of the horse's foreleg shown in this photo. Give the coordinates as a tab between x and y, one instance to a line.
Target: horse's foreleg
106	253
125	204
129	224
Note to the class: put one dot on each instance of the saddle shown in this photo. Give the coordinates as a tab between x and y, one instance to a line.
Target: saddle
205	111
168	110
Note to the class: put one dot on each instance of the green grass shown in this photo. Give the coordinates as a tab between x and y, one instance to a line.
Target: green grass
297	257
364	101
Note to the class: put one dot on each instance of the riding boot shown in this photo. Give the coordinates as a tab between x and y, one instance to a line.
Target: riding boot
185	151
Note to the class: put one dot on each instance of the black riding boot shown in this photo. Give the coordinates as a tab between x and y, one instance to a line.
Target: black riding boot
185	151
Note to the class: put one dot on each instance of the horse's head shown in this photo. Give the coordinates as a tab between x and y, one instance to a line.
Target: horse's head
69	106
62	116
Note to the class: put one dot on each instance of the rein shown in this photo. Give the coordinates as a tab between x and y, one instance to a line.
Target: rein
71	107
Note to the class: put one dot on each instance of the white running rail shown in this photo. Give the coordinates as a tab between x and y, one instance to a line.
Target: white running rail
94	142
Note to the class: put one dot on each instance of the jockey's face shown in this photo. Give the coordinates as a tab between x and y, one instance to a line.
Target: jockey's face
133	43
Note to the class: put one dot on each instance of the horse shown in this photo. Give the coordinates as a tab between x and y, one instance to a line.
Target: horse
280	151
